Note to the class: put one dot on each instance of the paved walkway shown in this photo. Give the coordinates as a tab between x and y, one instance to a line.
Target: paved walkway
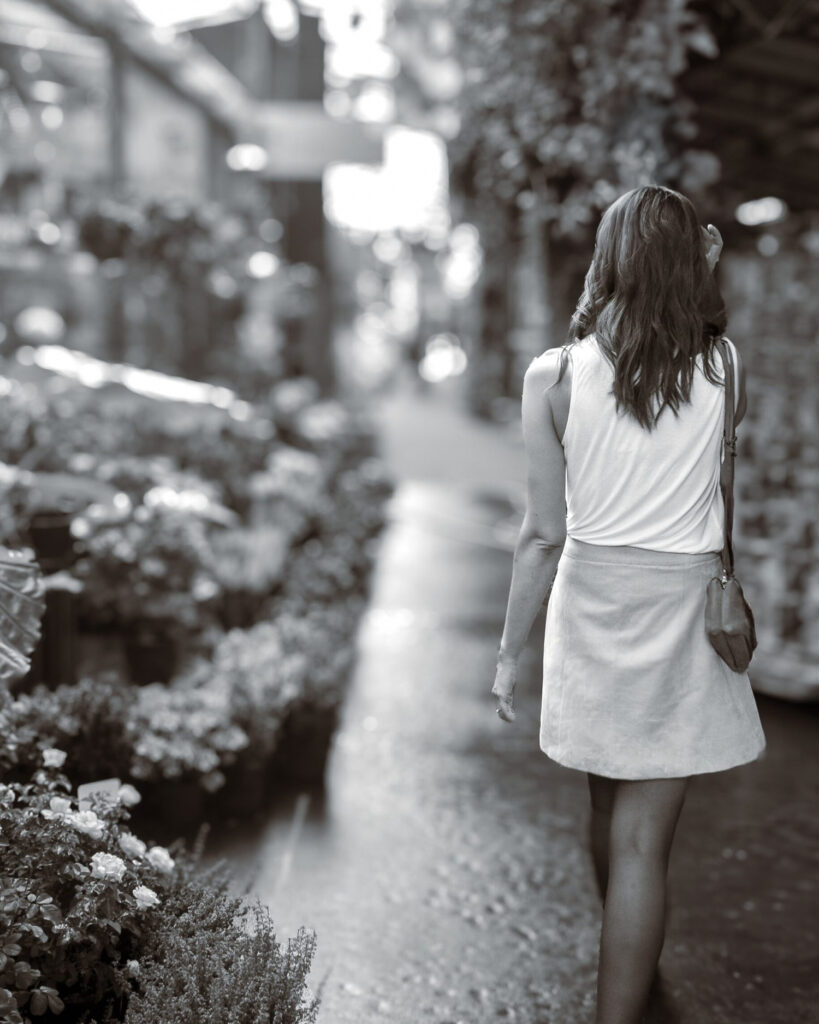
444	865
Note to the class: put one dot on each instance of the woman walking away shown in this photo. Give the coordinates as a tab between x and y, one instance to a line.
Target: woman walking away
623	432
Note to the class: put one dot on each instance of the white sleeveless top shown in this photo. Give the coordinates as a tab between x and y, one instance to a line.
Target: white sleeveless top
626	485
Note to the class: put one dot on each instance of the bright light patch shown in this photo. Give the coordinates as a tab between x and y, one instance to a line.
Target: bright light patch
94	372
375	103
246	156
176	12
48	233
39	323
443	358
46	92
407	193
282	18
761	211
262	264
52	117
365	59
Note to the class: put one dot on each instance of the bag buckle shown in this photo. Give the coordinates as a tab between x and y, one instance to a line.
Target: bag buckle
724	578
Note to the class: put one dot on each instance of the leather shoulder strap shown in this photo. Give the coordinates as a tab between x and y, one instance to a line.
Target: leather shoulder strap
730	451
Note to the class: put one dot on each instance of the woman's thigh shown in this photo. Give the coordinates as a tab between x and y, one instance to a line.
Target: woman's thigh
644	816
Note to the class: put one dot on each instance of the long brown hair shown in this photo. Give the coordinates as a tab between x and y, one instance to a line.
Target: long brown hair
651	301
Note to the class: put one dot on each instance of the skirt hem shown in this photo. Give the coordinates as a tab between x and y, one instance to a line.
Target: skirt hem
636	775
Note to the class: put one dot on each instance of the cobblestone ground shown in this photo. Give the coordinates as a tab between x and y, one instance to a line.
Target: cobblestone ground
444	866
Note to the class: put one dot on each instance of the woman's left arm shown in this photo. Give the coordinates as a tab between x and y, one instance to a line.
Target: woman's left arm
543	531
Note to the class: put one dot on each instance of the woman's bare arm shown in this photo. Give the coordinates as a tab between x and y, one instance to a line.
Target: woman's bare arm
543	530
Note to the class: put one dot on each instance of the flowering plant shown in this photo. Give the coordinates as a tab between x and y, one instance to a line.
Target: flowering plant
96	924
319	635
152	564
135	475
288	491
184	731
260	679
75	887
250	560
86	722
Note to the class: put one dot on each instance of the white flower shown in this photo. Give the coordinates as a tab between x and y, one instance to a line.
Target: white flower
128	795
145	897
59	805
130	845
159	857
132	968
53	757
107	866
87	822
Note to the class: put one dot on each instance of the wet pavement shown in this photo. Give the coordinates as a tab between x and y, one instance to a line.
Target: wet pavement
443	866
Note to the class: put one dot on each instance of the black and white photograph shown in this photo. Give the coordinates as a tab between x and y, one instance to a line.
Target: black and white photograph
409	511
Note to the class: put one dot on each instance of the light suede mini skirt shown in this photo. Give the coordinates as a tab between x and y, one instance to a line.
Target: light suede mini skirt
632	688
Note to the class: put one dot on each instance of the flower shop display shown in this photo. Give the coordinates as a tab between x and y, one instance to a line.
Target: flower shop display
261	708
777	478
226	558
181	290
144	568
88	721
98	925
183	737
288	490
44	424
138	475
248	563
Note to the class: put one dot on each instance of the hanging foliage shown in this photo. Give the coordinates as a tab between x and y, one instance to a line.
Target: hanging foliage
566	103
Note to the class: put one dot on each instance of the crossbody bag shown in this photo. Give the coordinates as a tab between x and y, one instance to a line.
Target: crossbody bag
729	621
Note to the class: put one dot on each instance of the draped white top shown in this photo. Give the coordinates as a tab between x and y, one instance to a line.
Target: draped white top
626	485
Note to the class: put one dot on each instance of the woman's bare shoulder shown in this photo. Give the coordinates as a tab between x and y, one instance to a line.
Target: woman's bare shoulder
544	369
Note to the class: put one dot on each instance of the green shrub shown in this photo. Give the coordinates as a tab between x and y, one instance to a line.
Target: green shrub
211	958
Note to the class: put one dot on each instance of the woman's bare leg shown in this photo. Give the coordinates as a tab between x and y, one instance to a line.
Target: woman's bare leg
601	792
643	819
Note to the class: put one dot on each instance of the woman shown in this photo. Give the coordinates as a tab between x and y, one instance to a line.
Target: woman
623	433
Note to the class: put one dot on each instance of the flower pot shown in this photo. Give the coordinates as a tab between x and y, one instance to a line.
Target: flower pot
151	658
172	804
244	792
54	660
50	536
304	745
183	803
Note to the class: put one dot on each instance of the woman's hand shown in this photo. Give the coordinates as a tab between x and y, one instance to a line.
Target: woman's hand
713	245
504	687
